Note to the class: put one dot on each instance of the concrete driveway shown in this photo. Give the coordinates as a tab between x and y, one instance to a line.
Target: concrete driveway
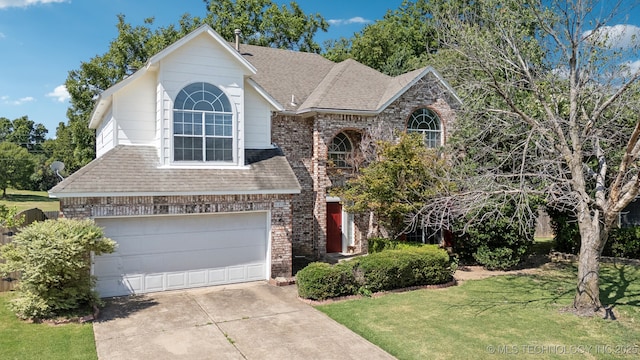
244	321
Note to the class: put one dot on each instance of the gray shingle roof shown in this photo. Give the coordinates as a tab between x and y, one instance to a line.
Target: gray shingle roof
318	83
283	73
134	170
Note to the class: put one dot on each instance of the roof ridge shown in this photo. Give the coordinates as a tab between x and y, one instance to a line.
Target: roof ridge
320	92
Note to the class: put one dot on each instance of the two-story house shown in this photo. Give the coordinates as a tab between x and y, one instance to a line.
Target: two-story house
213	161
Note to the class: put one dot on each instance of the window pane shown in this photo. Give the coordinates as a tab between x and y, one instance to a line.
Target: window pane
203	105
427	123
205	128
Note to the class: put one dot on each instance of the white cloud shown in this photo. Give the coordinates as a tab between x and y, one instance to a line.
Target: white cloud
618	36
60	93
353	20
2	35
24	3
7	100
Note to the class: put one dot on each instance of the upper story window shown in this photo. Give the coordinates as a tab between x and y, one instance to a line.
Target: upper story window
339	150
202	124
427	123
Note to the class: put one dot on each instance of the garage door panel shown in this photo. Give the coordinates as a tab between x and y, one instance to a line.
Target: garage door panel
138	245
147	226
173	252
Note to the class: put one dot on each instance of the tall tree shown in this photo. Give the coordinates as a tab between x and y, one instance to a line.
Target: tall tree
16	166
551	111
264	23
400	42
23	132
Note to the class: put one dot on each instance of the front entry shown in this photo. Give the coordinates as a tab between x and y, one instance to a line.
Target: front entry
334	227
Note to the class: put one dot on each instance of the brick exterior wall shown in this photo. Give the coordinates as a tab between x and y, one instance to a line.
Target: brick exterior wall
279	206
305	142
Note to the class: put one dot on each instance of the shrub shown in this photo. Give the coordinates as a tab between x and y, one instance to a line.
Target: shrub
501	258
497	243
386	270
565	231
54	259
320	281
393	269
377	245
623	242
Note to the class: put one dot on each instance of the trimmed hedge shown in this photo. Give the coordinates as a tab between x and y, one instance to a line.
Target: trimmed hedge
386	270
377	245
320	281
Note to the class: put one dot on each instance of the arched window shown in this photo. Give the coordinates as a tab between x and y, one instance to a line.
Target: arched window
339	149
427	123
202	124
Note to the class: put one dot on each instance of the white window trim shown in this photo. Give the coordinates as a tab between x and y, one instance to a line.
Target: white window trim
204	164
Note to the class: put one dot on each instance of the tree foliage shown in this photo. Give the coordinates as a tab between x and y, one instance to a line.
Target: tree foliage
550	114
397	183
54	260
9	218
31	136
264	23
398	43
16	166
23	132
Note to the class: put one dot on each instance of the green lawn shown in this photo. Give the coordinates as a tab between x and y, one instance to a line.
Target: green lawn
24	199
21	340
500	317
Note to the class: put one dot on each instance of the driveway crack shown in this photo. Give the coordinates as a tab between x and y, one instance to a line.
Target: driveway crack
214	322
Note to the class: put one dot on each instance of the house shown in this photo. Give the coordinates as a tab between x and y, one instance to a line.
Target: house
213	163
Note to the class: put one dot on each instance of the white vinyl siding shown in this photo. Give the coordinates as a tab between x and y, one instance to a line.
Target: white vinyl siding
257	120
134	108
104	135
202	60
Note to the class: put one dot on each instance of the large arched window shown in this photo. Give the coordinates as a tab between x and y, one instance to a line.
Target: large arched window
427	123
202	124
339	150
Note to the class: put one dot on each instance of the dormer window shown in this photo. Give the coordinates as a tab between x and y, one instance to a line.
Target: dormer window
427	123
202	124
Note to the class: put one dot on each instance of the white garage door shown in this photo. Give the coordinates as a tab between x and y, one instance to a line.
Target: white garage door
176	252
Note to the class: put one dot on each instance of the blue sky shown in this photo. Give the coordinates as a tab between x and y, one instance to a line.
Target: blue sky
42	40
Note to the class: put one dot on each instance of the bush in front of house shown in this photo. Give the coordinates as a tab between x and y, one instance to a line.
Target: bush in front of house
412	266
318	280
386	270
498	243
377	245
54	260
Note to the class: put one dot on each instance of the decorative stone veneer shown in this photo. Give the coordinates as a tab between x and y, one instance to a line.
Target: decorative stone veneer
279	206
305	142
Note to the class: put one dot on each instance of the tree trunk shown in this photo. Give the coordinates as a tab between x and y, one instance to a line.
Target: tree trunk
587	299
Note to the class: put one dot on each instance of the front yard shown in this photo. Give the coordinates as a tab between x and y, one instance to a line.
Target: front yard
498	317
501	317
20	340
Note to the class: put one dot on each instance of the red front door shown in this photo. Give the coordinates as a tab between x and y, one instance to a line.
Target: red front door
334	227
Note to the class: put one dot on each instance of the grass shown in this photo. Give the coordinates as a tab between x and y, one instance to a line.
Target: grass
500	317
25	199
21	340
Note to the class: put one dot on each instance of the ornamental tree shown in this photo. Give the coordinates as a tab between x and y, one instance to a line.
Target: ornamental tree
551	104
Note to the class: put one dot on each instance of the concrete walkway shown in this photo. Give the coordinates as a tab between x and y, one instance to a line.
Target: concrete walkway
244	321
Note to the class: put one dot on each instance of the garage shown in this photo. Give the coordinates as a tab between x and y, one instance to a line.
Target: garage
158	253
